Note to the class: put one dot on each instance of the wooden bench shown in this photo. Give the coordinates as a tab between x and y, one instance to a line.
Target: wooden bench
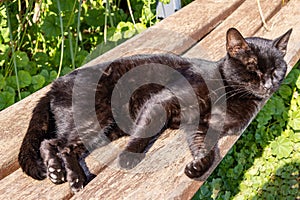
197	30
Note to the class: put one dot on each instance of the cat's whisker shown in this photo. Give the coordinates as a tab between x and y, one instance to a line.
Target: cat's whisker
229	86
245	93
215	79
235	93
222	88
230	93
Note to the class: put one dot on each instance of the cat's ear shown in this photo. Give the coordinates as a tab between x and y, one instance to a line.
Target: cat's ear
235	42
281	42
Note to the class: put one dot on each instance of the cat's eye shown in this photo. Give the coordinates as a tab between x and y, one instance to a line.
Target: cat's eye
252	67
251	63
274	74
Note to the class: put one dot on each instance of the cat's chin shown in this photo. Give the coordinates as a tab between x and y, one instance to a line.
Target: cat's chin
267	93
260	96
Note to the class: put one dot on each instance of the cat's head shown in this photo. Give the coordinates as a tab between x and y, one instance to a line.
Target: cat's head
255	65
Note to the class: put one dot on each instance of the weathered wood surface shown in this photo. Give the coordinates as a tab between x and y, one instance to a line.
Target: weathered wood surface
167	36
161	174
287	18
171	178
246	19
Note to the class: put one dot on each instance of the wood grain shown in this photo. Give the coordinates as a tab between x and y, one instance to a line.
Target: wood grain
167	182
160	175
175	34
166	36
287	18
171	183
246	19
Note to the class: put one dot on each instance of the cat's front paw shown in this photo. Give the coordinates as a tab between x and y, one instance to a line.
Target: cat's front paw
197	167
77	184
56	174
129	160
77	179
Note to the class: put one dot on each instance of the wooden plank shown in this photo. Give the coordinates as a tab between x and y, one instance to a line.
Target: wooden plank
166	36
172	180
136	178
280	23
178	32
14	122
15	119
18	186
159	176
246	19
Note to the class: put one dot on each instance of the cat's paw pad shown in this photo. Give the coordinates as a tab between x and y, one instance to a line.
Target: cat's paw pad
129	160
198	167
77	180
77	184
56	175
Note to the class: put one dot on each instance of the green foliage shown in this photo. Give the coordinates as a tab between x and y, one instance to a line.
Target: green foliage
41	40
265	161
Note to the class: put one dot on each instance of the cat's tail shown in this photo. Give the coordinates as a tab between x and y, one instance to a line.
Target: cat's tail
29	157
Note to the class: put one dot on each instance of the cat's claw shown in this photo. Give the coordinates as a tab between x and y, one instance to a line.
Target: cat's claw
129	160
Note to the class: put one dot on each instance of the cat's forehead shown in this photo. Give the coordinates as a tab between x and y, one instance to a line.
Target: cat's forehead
259	42
263	48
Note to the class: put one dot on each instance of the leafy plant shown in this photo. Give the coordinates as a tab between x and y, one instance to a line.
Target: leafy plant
264	163
42	40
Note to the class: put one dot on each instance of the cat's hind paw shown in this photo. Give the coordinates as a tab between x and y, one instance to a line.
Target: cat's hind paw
129	160
197	167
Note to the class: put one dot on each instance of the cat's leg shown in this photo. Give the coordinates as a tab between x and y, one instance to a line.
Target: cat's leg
203	153
152	120
134	153
51	157
74	173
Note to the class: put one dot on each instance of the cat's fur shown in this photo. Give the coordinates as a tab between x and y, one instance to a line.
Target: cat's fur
251	71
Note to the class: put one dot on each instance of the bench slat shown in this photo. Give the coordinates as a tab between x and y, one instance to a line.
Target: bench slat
280	23
15	119
246	19
91	190
188	25
285	19
18	186
178	32
14	123
172	181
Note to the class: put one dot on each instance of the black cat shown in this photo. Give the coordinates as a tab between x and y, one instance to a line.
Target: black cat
88	107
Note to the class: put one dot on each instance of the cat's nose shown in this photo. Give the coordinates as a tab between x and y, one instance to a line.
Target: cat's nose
260	74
